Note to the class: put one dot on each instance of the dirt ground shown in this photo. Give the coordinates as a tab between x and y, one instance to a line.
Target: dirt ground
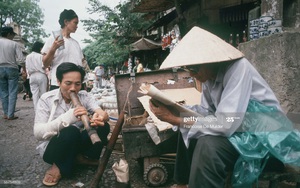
22	166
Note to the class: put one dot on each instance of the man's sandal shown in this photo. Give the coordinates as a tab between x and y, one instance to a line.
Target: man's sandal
55	179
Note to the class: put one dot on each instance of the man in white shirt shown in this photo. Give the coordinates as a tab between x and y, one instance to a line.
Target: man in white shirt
99	73
205	155
57	124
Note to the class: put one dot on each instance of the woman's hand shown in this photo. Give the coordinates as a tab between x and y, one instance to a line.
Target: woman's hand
58	43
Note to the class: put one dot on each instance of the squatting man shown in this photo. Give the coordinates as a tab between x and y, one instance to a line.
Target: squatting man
57	124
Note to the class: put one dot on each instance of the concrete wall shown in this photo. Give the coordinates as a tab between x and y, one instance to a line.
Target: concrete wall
272	8
277	58
291	16
285	10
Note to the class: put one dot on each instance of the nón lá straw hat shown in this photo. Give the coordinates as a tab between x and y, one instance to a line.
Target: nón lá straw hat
199	46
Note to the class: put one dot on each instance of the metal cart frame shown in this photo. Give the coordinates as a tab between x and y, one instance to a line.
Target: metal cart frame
136	139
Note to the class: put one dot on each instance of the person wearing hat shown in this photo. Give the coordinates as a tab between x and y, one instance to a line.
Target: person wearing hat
56	50
206	152
10	53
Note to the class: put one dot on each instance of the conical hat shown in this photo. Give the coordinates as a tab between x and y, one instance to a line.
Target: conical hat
199	46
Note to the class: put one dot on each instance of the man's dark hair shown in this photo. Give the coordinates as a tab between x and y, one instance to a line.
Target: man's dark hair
7	30
37	46
69	67
66	15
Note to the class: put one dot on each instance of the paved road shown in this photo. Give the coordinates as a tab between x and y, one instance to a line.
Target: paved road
21	165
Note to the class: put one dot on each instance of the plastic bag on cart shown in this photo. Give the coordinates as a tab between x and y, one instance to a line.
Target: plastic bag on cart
265	131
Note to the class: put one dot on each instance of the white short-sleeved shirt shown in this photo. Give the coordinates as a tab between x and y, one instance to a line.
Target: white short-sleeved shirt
34	63
71	53
99	71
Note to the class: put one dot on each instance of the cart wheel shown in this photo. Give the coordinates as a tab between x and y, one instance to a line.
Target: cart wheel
155	175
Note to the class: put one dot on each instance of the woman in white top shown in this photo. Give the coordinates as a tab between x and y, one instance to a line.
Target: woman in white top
57	51
38	78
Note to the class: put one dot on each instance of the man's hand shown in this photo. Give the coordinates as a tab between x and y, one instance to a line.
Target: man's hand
162	112
99	118
79	111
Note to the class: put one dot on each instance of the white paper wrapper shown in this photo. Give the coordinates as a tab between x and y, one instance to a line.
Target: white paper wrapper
58	33
121	170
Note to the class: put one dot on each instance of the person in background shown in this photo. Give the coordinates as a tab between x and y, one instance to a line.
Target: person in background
57	125
26	85
139	66
85	64
53	55
38	78
99	73
10	54
87	69
112	78
124	67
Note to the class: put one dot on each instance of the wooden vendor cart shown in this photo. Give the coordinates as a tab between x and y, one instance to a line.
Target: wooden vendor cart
138	144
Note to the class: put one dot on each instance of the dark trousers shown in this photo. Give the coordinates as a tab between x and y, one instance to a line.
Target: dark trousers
63	148
27	88
205	163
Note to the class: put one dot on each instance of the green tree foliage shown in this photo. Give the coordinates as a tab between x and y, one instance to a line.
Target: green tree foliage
27	14
112	32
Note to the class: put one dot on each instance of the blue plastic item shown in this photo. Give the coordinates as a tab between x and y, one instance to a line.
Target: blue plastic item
264	132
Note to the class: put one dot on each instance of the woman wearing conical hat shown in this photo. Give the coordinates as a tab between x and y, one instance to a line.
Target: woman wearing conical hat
205	153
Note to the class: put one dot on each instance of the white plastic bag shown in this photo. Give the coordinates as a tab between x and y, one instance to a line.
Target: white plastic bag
121	170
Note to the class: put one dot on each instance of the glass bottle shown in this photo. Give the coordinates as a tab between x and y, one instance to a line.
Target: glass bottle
230	39
237	39
244	36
